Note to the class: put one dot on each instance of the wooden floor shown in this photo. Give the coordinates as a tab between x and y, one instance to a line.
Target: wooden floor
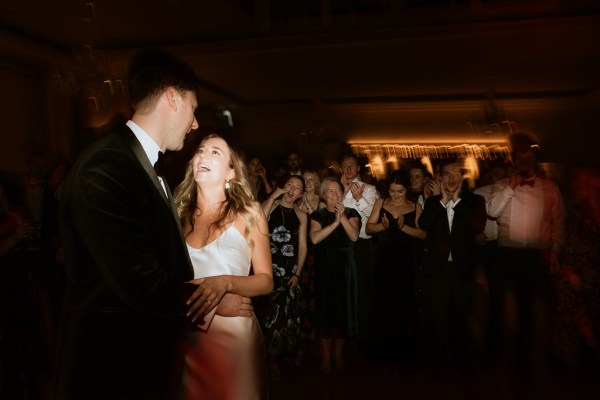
375	380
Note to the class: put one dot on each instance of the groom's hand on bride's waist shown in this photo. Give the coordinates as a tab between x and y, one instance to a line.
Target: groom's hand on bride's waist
233	305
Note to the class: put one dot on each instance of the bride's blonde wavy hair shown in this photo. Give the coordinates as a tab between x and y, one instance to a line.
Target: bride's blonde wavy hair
238	197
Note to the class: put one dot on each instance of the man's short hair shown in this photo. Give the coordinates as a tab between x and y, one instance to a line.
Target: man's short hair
152	71
451	160
348	156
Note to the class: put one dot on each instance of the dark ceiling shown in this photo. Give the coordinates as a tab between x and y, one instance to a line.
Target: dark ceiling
268	52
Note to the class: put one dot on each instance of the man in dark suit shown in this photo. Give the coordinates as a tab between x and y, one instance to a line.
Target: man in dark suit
126	260
452	220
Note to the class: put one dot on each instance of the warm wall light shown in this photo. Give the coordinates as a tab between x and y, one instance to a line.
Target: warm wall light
395	150
376	152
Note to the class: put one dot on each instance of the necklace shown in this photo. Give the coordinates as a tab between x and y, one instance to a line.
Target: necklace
284	210
307	204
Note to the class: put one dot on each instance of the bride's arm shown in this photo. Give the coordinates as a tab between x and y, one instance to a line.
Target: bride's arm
261	282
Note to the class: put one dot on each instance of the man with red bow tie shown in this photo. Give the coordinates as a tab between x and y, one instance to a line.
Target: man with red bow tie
530	214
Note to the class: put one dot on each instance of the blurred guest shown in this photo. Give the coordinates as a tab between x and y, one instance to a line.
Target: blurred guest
326	171
280	172
51	268
294	162
14	229
50	243
392	331
530	214
433	184
257	175
310	202
310	199
333	230
487	242
419	176
34	185
452	220
361	197
577	322
23	356
490	234
288	231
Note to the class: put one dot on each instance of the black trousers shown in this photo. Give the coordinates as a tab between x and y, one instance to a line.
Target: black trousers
363	255
524	274
448	313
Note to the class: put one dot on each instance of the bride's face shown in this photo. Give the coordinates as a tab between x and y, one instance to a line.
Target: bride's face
212	162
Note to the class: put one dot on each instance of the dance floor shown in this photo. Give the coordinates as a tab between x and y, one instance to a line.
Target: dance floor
375	380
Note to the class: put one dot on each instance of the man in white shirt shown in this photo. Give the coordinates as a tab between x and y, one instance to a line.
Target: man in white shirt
530	214
361	196
490	233
488	239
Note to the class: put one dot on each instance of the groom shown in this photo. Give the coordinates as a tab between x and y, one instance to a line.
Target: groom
126	260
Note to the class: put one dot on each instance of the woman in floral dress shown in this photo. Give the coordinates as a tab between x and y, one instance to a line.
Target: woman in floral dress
280	319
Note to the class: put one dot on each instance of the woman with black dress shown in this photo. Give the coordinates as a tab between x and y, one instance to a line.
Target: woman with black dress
333	231
311	201
393	321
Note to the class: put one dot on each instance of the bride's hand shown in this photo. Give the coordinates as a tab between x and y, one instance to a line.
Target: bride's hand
207	295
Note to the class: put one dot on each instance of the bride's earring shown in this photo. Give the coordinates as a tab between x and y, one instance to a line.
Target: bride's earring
227	185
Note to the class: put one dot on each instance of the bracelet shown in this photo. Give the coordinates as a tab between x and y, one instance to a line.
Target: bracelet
297	276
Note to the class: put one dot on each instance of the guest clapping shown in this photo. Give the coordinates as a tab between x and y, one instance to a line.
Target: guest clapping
333	230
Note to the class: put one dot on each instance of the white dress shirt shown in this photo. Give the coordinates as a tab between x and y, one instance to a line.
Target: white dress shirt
150	147
528	216
364	205
450	213
491	225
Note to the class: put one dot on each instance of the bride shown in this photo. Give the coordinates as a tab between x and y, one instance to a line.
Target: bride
226	232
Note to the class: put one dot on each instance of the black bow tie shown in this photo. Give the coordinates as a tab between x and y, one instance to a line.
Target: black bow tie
159	165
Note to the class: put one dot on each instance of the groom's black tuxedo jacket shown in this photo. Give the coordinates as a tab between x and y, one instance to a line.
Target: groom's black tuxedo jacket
126	263
469	220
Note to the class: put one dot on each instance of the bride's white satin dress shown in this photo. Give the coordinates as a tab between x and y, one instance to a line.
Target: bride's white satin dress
226	361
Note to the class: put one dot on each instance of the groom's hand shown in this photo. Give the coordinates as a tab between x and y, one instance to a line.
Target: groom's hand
233	305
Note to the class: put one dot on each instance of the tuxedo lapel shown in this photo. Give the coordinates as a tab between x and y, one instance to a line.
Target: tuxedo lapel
172	205
140	154
137	149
